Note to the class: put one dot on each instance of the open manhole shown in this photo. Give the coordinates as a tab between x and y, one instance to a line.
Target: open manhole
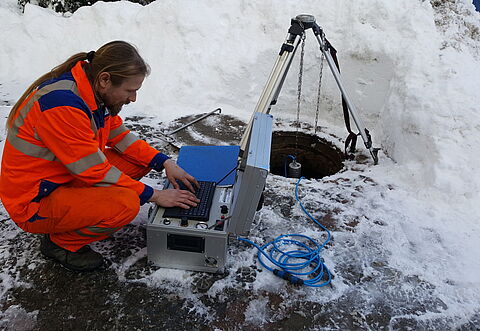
318	158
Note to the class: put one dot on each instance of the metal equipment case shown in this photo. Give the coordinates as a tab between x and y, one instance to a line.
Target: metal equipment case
202	246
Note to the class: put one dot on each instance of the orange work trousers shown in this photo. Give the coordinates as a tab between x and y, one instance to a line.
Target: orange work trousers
76	215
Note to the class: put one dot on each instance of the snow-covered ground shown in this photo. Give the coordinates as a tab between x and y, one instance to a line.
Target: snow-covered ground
413	70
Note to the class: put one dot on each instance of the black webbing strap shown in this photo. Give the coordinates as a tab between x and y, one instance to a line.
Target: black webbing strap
352	137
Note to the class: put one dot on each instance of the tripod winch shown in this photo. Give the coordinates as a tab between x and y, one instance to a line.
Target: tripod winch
269	96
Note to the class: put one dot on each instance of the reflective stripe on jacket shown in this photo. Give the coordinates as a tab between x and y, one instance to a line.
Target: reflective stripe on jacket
59	134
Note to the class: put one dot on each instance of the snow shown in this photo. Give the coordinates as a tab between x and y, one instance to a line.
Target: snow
412	70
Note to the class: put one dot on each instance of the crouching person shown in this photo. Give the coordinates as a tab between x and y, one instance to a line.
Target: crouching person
70	167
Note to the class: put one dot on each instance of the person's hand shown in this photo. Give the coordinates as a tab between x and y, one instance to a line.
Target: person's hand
174	198
174	173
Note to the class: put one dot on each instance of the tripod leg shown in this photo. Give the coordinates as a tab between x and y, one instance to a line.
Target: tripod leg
277	76
351	107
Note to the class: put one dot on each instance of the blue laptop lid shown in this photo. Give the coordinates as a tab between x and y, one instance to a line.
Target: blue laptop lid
209	163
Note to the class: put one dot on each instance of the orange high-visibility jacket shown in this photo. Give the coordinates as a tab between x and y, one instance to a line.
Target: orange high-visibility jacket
59	134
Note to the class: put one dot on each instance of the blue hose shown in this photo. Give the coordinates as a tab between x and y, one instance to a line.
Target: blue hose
292	261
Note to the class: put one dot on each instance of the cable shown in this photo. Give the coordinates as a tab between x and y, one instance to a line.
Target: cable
302	265
219	181
219	222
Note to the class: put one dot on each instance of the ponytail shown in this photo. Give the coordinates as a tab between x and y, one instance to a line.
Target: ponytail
54	73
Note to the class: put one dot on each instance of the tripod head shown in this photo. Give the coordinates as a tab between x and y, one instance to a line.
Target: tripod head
307	22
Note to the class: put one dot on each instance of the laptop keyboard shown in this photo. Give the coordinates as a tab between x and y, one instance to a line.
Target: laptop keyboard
202	210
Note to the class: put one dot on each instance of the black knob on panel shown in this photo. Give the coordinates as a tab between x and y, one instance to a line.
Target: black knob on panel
224	209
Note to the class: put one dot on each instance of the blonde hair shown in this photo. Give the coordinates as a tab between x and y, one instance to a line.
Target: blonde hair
119	58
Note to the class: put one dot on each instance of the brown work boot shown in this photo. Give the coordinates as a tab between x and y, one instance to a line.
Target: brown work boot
85	259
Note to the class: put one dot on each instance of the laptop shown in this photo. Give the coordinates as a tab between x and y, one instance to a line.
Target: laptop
212	166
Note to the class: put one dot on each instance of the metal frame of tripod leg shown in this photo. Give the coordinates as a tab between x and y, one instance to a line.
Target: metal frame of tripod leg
277	76
324	47
271	91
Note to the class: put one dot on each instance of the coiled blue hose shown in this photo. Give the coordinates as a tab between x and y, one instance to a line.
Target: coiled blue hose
291	261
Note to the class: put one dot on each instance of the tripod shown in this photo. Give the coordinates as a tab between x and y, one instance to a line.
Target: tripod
274	84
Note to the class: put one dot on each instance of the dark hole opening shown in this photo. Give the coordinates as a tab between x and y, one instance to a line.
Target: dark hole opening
318	158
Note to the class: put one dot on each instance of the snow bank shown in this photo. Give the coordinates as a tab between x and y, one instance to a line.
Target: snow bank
417	96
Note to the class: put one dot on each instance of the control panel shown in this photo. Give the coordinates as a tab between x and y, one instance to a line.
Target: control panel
219	214
191	244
